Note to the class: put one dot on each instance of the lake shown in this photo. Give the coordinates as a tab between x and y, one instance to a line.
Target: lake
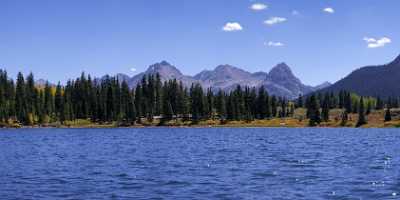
200	163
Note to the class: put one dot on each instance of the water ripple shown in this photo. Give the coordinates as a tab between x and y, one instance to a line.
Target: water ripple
159	163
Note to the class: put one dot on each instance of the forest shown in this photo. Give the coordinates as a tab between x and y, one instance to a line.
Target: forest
157	102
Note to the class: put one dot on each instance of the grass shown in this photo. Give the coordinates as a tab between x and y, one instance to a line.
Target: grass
374	119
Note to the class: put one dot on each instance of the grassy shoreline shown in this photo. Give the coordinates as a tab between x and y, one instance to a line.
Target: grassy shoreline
273	123
375	120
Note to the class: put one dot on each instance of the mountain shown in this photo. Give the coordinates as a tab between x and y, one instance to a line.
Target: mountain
166	72
381	80
227	77
280	81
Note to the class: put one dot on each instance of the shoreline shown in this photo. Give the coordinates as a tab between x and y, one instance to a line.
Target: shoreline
272	123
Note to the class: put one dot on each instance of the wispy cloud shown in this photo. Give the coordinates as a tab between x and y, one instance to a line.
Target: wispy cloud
329	10
295	13
274	20
258	6
274	44
133	69
232	26
377	42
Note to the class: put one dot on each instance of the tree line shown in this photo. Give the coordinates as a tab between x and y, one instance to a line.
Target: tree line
111	100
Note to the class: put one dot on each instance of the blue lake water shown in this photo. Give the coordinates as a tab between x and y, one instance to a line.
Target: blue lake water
186	163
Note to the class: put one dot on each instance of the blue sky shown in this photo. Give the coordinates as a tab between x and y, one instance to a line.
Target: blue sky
319	40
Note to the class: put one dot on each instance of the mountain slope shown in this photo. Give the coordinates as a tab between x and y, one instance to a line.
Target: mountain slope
166	72
226	77
283	82
380	81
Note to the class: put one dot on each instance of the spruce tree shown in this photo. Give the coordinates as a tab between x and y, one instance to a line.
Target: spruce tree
369	107
388	116
20	99
325	108
274	107
361	114
261	103
315	116
221	105
300	102
345	118
58	101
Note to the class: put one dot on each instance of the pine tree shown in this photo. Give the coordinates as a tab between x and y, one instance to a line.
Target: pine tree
315	116
58	101
274	107
369	107
348	103
262	103
325	108
20	99
197	102
388	116
138	102
166	105
221	105
158	94
31	94
361	114
126	101
345	118
48	102
379	104
300	102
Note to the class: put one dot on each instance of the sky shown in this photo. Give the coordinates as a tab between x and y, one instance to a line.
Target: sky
321	40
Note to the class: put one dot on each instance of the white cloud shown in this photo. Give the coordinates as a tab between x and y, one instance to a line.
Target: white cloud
232	26
295	12
329	10
258	6
133	69
375	42
274	20
274	44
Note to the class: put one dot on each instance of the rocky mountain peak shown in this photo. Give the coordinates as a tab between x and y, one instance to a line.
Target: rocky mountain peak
281	68
164	69
224	68
282	72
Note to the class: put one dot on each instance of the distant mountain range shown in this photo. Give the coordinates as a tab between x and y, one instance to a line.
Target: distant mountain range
381	80
280	81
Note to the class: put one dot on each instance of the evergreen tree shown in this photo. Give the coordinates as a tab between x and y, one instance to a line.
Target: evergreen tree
58	101
221	105
315	116
300	102
262	103
325	108
48	102
158	94
361	113
348	102
197	102
388	116
345	118
274	107
379	104
369	107
20	99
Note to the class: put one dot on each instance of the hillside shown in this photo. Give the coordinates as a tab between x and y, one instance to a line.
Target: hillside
382	80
